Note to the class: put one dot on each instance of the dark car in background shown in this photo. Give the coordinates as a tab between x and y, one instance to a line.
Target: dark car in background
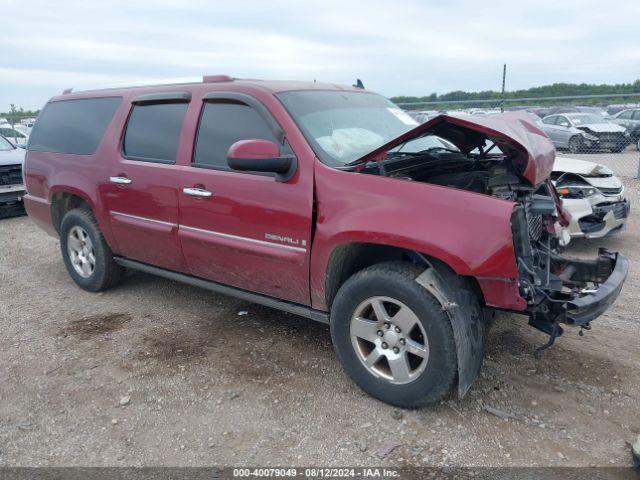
630	119
11	183
584	131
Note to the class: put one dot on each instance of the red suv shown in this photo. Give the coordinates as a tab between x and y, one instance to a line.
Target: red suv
325	201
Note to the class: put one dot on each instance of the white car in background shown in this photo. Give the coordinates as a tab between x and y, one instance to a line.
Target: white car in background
13	134
593	196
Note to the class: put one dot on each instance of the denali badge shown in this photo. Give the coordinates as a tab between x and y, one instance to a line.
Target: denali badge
289	240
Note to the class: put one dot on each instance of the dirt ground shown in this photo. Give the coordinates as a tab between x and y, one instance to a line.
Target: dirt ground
158	373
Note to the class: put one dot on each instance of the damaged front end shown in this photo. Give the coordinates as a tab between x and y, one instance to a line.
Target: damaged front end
507	156
560	289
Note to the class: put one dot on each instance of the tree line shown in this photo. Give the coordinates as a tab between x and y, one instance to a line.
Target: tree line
553	90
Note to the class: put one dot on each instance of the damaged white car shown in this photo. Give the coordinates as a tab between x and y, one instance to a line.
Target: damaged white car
593	196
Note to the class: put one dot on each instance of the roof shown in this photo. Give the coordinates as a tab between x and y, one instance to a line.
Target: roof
273	86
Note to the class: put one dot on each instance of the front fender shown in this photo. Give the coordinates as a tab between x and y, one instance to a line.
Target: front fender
469	232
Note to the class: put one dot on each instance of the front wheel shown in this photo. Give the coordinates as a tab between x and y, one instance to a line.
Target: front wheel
618	148
86	255
638	144
393	337
575	144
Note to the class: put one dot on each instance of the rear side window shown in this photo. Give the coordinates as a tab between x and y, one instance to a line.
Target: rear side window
73	126
153	132
221	125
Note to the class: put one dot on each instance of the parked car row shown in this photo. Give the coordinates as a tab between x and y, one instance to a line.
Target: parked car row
573	128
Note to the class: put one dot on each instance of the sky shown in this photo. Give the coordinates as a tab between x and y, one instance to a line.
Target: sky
396	48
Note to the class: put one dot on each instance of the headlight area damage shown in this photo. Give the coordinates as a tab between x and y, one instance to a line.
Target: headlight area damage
559	289
553	289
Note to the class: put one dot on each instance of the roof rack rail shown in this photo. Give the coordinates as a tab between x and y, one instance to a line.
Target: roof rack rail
159	82
217	78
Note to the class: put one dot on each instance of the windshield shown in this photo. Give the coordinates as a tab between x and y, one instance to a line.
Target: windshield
344	126
5	145
585	118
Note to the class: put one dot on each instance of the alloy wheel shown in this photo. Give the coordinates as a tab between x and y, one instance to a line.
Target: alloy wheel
80	249
389	340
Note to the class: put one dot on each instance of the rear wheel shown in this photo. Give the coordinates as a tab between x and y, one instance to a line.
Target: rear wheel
638	144
86	255
575	144
393	337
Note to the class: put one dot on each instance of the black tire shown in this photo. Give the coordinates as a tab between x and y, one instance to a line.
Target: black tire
618	148
638	145
106	272
397	280
575	144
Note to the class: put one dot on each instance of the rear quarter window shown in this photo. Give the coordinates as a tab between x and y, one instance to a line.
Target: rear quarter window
73	126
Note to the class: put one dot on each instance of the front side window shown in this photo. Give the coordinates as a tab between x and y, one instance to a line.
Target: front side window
636	114
221	125
73	126
343	126
626	115
153	132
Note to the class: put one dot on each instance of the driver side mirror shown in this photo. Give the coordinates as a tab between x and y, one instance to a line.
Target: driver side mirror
257	155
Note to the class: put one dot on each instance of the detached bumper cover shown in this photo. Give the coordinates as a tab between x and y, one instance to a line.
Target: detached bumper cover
582	310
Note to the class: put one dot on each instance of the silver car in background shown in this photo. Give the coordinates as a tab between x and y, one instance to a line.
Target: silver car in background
584	132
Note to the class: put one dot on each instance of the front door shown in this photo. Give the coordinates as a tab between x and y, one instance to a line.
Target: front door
245	229
141	194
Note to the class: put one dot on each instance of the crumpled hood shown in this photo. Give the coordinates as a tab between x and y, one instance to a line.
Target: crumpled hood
12	157
581	167
515	133
602	127
595	174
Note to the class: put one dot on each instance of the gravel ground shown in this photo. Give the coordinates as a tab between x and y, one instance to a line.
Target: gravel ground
158	373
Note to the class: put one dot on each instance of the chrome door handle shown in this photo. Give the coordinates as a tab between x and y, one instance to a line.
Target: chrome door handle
197	192
120	180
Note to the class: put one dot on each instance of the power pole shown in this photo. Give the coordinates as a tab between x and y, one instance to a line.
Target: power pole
504	76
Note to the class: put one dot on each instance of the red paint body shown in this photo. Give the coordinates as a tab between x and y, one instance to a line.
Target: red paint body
224	238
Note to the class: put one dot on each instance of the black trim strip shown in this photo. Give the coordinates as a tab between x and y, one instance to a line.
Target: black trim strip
163	97
260	299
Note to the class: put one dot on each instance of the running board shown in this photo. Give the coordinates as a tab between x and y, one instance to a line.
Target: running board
265	300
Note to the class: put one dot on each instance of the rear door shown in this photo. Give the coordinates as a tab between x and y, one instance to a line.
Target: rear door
142	189
245	229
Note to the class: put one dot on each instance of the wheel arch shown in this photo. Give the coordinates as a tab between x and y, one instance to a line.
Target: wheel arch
347	259
64	199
